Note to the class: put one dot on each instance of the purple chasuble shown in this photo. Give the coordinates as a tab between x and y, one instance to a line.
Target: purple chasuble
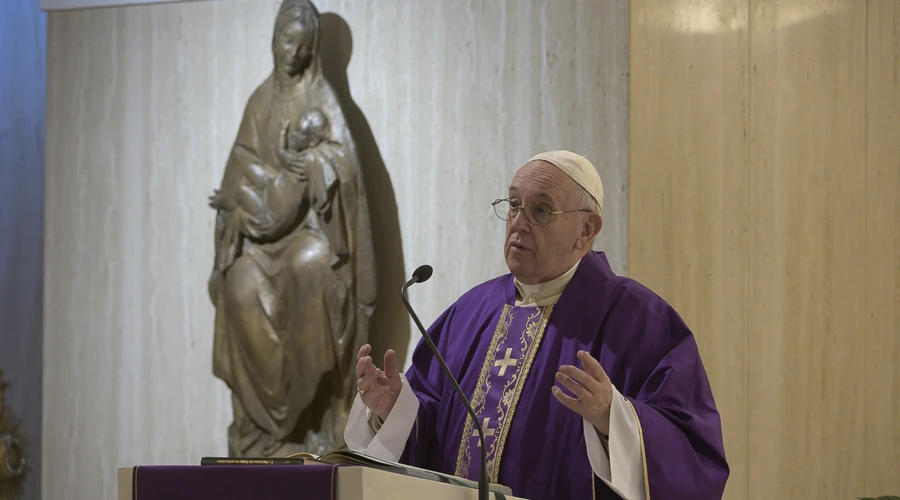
500	383
506	358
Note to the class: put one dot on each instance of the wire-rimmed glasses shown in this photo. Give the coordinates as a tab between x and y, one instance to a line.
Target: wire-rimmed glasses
539	215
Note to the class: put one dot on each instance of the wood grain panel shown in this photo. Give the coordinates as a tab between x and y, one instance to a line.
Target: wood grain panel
883	249
688	191
807	246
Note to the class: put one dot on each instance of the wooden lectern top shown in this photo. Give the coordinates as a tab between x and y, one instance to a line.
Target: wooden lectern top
352	483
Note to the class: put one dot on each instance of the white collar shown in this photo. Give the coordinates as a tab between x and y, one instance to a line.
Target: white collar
544	293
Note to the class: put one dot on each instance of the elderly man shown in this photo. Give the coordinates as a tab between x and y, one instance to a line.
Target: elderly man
587	384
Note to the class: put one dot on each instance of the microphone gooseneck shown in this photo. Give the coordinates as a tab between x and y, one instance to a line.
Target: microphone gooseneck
421	274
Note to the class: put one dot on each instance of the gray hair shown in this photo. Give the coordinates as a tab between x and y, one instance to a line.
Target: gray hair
586	200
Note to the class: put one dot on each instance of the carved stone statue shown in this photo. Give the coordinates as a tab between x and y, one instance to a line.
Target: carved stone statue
293	281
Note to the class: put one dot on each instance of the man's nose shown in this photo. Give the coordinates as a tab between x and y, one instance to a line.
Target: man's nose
519	222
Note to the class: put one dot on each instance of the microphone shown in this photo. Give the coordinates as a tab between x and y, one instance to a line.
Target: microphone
421	274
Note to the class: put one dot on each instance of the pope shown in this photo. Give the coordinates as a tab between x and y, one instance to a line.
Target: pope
587	384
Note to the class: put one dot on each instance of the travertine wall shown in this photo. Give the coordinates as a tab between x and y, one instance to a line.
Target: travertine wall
447	99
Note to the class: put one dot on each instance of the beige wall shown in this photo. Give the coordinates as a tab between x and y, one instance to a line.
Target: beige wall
143	104
765	138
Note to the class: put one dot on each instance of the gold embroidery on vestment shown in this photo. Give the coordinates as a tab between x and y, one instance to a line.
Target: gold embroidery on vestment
535	333
478	396
536	323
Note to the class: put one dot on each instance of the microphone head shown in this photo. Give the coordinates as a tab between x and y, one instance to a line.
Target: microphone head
422	273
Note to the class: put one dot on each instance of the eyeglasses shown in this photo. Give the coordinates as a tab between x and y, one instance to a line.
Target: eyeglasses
537	215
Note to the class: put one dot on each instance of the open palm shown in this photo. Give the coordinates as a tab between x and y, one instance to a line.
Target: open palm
378	389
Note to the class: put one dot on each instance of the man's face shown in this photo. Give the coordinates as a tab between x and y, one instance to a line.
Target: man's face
536	254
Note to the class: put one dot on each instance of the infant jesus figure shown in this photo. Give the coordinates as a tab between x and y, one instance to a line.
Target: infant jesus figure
267	196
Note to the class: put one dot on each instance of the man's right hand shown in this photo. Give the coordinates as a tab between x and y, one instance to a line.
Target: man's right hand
378	389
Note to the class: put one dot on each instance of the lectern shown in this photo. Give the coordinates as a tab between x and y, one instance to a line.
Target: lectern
277	482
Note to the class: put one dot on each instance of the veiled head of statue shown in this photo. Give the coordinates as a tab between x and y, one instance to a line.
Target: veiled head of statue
296	36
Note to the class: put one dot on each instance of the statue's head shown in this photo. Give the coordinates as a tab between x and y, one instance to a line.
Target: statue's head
296	36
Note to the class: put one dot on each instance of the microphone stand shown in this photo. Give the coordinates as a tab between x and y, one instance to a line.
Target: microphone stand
482	477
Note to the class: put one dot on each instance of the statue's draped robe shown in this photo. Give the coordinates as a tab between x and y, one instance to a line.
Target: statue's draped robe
293	299
539	450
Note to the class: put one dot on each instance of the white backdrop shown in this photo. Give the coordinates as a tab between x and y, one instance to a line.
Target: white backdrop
143	104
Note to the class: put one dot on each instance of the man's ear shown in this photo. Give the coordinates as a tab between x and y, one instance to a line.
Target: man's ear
590	229
598	218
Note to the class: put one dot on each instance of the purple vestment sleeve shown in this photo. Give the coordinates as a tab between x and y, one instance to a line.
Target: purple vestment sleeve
658	369
428	381
422	437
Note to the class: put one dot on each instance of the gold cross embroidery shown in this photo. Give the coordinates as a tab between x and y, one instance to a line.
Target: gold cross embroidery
505	362
487	432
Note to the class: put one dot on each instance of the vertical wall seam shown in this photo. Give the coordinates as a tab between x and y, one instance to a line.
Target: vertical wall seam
747	168
865	208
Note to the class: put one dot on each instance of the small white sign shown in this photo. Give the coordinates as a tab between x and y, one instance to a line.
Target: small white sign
49	5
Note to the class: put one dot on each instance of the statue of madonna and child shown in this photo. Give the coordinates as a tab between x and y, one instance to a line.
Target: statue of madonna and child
293	281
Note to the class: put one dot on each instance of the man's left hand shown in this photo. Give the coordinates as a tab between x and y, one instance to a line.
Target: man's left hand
592	389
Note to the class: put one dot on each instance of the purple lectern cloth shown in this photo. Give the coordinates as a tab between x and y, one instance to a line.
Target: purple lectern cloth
241	482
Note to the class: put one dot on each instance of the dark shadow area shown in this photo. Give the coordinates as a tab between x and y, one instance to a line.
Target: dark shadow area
390	323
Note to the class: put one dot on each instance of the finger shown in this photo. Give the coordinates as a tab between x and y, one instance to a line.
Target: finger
369	381
581	377
363	351
592	366
371	375
364	366
573	387
567	401
390	364
383	380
